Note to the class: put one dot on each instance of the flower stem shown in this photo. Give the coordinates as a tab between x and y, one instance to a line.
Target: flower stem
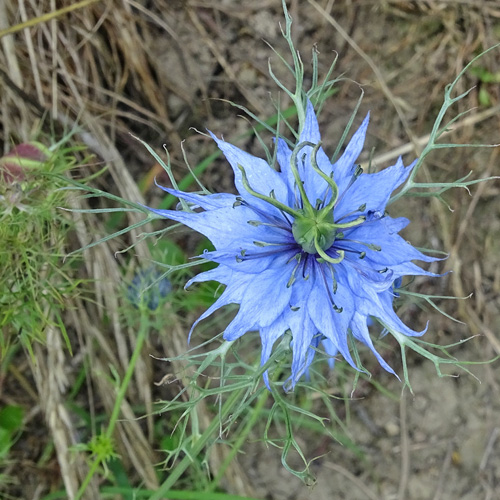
228	407
141	337
241	438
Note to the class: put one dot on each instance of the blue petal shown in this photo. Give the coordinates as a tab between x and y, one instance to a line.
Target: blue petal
207	202
269	335
231	295
254	261
410	269
374	190
303	335
304	351
228	227
344	167
283	156
221	274
314	185
331	323
261	177
383	233
310	132
332	351
370	303
376	278
360	332
255	310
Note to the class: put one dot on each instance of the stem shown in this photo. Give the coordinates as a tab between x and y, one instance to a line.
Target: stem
88	478
243	435
175	474
141	337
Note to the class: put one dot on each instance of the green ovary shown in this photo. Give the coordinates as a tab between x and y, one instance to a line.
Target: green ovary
314	230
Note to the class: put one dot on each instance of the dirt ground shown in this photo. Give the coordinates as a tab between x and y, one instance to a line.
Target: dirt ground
443	441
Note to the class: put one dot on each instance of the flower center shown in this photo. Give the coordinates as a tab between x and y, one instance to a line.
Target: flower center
313	228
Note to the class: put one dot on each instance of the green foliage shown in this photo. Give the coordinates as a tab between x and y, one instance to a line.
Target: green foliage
34	277
228	379
11	421
436	189
486	77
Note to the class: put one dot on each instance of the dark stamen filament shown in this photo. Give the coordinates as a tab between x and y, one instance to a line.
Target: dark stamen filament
257	223
328	291
258	255
264	215
357	173
292	279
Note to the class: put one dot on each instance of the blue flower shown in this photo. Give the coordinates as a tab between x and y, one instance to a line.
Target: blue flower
308	249
147	288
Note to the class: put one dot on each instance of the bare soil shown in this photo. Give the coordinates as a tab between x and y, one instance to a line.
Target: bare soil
186	59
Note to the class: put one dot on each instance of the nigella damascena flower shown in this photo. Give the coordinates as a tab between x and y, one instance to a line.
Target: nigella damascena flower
307	249
148	288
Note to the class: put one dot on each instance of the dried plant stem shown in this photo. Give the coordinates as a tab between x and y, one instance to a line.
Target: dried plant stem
50	378
46	17
376	70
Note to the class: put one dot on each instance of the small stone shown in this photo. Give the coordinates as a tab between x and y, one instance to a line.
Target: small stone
392	429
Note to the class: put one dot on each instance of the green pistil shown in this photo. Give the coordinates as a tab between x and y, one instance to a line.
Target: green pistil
313	227
329	259
269	199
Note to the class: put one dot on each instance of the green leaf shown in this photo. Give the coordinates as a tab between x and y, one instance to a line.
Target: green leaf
11	418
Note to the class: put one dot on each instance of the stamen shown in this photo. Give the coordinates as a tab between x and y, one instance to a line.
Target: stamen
362	208
357	173
240	258
257	223
264	215
292	279
362	255
334	279
371	246
328	291
304	276
265	244
258	255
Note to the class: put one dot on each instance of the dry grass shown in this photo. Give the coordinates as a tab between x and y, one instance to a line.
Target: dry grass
109	68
